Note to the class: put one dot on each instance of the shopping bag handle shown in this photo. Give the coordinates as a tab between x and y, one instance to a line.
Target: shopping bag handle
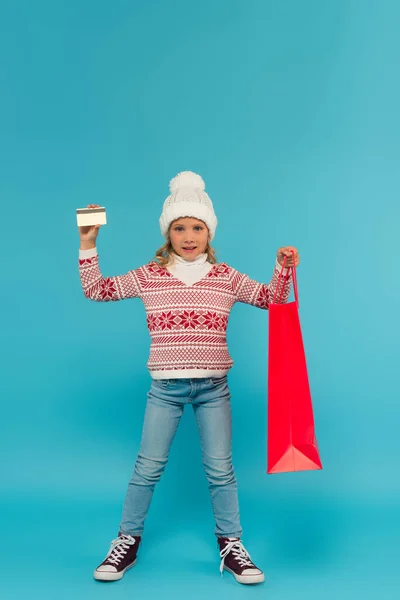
294	277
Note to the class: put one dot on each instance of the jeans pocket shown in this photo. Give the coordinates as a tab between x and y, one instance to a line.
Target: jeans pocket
216	381
163	383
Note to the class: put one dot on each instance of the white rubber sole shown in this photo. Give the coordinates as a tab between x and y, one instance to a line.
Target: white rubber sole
246	579
107	576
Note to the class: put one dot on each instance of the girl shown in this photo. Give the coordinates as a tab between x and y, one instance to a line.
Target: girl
188	296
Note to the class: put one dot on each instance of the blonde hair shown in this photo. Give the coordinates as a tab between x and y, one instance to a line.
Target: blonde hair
164	254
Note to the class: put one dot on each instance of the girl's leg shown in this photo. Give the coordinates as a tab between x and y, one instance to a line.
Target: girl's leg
213	415
163	413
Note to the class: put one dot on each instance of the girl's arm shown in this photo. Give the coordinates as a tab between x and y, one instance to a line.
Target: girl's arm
261	295
105	289
94	285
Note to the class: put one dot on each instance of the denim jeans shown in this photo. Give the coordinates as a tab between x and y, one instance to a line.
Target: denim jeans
167	398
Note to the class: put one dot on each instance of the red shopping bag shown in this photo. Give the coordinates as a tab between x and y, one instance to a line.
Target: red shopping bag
292	445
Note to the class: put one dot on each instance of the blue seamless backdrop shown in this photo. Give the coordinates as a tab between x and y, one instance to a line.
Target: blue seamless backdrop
289	111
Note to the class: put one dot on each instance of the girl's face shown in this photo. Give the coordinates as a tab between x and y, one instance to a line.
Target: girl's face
189	237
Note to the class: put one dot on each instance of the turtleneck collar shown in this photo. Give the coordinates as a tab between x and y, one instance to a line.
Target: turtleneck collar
181	262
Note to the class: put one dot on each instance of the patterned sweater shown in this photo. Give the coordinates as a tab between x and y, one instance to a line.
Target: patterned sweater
187	323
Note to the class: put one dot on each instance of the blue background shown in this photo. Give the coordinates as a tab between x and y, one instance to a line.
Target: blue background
290	112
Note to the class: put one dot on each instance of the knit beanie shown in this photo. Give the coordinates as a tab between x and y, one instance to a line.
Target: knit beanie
188	199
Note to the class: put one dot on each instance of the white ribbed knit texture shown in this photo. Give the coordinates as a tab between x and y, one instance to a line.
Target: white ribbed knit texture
188	199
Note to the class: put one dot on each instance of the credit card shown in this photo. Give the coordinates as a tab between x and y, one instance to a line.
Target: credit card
91	216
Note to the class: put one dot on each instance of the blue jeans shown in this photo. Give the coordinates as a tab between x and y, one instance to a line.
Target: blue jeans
167	398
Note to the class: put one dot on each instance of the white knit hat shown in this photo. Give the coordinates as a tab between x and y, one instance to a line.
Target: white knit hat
188	199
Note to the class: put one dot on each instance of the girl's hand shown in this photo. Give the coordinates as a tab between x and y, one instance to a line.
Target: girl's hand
287	251
89	233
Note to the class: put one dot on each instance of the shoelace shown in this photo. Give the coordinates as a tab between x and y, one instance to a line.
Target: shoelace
119	547
238	551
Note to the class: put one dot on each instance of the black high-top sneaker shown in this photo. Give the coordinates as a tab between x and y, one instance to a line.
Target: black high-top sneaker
121	557
237	561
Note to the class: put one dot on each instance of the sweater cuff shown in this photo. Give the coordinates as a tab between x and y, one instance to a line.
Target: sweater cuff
278	267
88	253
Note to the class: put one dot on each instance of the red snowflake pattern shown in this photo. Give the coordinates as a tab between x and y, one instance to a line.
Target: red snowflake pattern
152	322
108	289
83	261
189	319
218	270
263	297
223	322
166	320
212	320
157	270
